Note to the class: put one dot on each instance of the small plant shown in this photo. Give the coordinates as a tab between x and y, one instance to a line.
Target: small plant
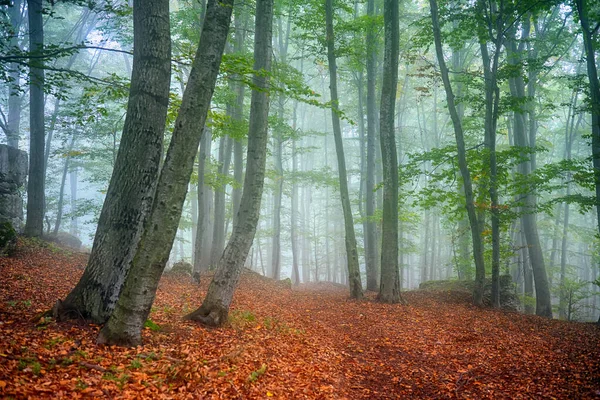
80	385
253	377
154	327
135	364
27	303
36	368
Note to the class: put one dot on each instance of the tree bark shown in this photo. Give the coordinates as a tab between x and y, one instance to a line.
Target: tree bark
528	210
389	290
356	291
215	307
127	321
462	161
592	71
371	247
34	224
133	182
201	225
15	99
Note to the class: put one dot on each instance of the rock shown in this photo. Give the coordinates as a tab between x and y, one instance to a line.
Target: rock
8	239
67	240
181	268
13	172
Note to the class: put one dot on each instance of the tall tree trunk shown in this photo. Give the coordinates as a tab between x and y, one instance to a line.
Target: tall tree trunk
74	228
351	251
133	182
61	192
218	241
462	161
592	71
15	99
205	145
127	321
528	217
34	224
238	113
492	98
371	247
389	290
215	307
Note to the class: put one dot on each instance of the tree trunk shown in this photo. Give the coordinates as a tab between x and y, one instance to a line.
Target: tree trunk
528	217
371	247
133	182
590	55
205	145
127	321
215	307
462	161
389	290
34	224
238	114
218	241
351	252
15	99
492	98
61	192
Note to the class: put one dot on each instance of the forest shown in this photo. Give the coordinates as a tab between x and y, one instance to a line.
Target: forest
299	199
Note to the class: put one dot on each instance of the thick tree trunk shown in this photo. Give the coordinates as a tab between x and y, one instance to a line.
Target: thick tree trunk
371	258
462	161
133	182
215	307
356	291
127	321
34	224
389	290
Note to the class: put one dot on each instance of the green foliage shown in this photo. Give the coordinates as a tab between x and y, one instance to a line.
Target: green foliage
255	375
154	327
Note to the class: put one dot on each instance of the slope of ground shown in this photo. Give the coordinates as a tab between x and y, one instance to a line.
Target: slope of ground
285	343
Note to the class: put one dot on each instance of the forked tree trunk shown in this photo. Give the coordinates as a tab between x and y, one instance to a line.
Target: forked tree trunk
462	161
215	307
389	289
133	182
127	321
356	291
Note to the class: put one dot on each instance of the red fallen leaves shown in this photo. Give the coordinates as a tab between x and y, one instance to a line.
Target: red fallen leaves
308	343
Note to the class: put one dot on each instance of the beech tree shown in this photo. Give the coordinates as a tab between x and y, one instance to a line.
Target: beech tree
135	173
215	307
131	312
389	291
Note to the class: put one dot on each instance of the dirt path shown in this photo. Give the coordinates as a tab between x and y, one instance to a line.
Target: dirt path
310	343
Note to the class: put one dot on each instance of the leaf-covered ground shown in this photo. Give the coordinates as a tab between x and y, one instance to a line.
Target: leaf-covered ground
285	343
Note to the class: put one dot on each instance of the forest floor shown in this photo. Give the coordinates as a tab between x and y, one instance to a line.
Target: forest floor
306	343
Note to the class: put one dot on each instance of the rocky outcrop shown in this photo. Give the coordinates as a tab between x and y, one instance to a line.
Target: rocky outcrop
13	173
